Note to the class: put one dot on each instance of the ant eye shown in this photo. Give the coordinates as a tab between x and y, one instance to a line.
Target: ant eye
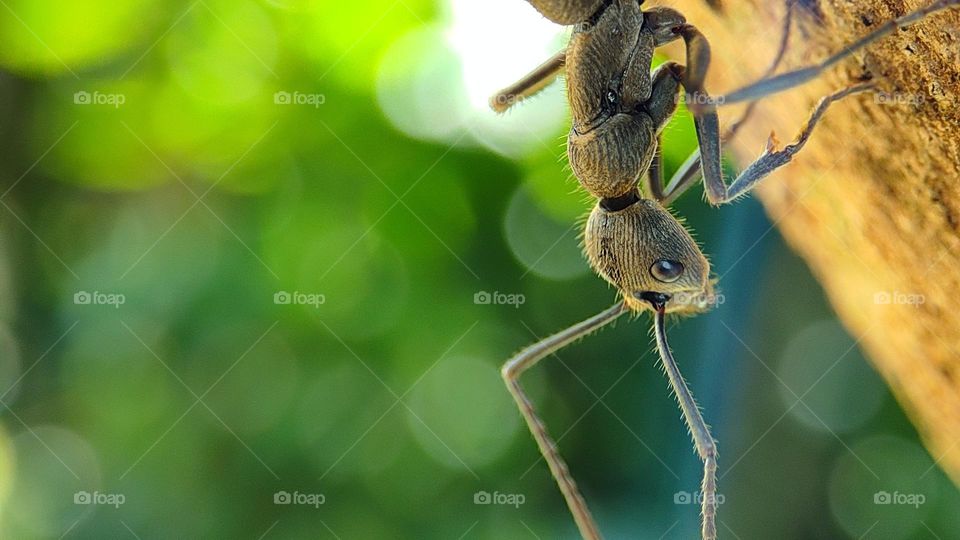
666	271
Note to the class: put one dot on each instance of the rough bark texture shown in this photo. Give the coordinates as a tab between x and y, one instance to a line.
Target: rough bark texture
873	202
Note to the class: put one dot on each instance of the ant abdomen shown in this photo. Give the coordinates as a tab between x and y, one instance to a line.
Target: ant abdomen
608	160
608	61
567	12
642	248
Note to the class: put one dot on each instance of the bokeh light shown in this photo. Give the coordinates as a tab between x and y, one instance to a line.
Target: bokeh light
53	466
417	94
836	388
470	431
545	246
884	485
47	37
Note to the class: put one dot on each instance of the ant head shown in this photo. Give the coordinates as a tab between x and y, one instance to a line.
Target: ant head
647	253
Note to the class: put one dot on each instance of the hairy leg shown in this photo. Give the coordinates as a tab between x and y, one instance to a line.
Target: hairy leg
511	372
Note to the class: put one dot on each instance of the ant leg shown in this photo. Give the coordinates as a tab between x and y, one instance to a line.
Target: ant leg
772	159
664	93
567	12
708	127
706	446
660	107
655	173
685	177
530	84
511	372
790	79
688	173
706	123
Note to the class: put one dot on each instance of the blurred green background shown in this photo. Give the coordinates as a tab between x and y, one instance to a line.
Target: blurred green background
245	248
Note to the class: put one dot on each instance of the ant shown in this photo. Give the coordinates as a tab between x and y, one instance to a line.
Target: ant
619	109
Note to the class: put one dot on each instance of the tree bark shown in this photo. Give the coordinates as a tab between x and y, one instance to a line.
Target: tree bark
872	203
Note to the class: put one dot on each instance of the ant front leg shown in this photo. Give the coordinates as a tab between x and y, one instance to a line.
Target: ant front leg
688	174
660	107
708	128
511	372
655	174
707	124
772	159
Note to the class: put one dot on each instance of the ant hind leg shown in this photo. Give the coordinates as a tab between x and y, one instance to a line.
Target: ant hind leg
530	84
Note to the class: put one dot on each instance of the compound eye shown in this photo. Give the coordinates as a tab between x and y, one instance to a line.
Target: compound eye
666	271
